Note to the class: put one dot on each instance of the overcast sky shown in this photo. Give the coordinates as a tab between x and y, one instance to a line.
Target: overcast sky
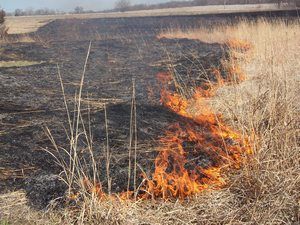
11	5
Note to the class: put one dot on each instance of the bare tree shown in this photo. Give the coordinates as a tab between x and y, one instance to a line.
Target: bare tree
19	12
78	10
122	5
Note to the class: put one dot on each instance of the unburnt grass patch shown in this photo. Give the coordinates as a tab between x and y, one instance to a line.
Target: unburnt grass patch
8	64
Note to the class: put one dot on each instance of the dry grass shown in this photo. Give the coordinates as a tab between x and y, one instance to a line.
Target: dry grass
267	106
21	25
266	190
24	38
22	63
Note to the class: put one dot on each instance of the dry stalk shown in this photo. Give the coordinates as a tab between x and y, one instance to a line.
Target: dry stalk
108	154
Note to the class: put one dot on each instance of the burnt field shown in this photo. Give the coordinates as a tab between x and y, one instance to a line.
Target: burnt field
123	52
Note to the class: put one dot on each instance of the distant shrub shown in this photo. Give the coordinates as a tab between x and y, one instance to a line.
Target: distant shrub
3	29
78	10
2	16
122	5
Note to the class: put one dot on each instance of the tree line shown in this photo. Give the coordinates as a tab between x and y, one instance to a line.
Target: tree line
125	5
31	12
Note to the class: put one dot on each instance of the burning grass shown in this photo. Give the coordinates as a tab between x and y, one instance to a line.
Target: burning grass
265	107
195	152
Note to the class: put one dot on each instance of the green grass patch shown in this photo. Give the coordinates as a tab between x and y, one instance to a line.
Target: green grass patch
4	222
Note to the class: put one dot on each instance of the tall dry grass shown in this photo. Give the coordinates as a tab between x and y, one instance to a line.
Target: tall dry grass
265	107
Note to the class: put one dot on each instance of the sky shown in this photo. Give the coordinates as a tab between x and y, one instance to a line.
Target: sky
67	5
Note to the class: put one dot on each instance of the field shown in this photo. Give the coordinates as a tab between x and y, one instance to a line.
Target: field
151	120
20	25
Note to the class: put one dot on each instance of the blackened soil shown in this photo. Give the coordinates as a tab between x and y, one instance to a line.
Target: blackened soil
122	50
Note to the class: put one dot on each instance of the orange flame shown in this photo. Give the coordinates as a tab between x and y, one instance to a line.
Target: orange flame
94	188
239	45
196	150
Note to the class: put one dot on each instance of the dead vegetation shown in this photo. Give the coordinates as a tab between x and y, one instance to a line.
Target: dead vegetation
267	105
264	106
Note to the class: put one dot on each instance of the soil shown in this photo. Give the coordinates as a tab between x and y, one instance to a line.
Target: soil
122	50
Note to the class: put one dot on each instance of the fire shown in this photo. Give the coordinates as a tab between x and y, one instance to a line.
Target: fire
94	188
239	45
195	151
